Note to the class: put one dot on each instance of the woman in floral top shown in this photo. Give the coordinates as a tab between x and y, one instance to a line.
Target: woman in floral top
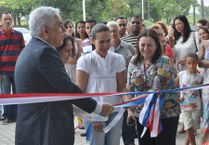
151	71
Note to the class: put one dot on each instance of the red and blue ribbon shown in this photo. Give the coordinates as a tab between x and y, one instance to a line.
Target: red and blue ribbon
150	114
149	119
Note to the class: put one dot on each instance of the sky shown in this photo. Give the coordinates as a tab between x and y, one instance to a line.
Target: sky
206	2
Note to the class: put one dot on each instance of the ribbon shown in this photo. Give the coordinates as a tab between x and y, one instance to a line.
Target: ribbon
108	127
114	121
6	99
88	129
88	116
150	115
148	119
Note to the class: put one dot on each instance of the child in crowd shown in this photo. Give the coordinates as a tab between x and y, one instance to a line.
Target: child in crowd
190	99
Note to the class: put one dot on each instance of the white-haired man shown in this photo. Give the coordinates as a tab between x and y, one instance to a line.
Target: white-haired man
118	45
39	69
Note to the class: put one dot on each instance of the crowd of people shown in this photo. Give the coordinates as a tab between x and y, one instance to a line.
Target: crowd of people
122	55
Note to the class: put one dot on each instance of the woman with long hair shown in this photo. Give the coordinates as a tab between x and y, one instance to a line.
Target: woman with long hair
149	70
186	41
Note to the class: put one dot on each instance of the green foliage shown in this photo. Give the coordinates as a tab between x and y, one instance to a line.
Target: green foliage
135	6
117	8
206	12
167	9
154	10
17	8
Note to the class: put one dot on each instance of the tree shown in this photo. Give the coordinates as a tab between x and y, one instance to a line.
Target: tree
206	11
167	9
135	7
117	8
101	10
16	8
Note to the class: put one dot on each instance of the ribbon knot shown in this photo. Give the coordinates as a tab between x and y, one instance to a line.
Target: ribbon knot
150	115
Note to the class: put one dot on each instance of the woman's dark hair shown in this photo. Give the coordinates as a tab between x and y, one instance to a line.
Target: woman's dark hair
76	32
149	33
187	30
67	38
66	22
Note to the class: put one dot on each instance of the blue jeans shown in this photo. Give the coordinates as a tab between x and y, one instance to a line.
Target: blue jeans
111	138
6	83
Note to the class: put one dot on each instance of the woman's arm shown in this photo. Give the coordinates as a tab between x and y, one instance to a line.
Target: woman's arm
121	85
82	79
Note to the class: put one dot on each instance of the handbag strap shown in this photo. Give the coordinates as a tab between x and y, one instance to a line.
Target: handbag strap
195	41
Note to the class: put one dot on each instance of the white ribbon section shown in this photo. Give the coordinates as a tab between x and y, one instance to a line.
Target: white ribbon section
151	114
40	99
156	119
114	121
143	112
88	116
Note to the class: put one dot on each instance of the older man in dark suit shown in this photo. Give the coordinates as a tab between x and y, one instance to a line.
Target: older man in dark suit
39	69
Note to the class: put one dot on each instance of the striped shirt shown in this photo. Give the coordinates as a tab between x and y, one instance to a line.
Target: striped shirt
131	39
10	47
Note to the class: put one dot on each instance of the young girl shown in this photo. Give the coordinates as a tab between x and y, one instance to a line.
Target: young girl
190	99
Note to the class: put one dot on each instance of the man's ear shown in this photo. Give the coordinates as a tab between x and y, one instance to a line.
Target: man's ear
91	40
45	30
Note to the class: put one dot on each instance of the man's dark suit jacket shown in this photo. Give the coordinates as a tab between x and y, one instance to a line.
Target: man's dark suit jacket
39	70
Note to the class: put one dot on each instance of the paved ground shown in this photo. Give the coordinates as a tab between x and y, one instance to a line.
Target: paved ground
7	136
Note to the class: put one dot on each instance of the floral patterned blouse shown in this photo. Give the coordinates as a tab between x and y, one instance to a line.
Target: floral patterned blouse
160	75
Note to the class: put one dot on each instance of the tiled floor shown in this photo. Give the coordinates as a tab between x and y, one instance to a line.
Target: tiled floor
7	136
